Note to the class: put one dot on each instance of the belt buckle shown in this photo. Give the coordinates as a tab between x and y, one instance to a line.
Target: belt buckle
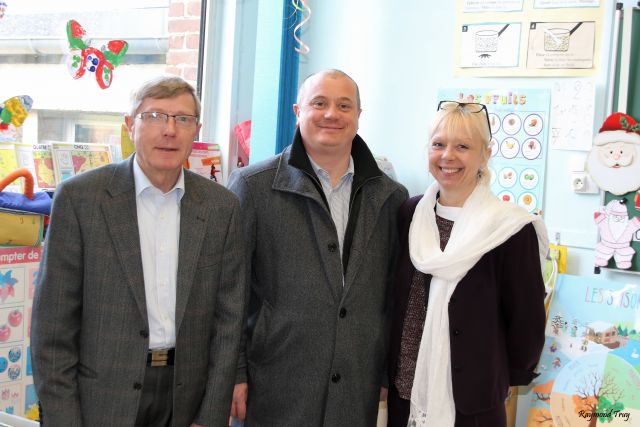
159	357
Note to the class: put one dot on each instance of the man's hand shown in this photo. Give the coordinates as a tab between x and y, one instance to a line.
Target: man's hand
239	402
196	425
384	393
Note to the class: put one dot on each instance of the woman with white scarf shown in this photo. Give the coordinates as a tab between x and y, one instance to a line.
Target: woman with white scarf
469	298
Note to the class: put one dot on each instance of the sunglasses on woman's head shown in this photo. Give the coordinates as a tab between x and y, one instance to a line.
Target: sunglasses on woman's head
472	107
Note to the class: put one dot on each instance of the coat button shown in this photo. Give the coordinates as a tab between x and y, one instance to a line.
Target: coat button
335	378
144	334
332	247
452	300
457	368
137	386
456	332
343	312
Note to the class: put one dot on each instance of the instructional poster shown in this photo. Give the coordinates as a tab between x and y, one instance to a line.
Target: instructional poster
519	128
19	268
38	158
490	45
528	38
70	159
590	364
561	44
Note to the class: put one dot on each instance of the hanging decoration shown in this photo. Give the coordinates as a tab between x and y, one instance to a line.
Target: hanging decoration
83	57
616	231
3	8
14	111
302	7
614	160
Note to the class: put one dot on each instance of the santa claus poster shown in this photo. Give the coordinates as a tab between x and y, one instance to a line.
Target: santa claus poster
590	364
614	164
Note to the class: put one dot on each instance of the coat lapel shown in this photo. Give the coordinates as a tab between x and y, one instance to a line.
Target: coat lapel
193	225
373	198
293	180
121	217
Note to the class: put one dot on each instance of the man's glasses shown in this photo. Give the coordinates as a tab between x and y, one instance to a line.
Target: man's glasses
161	119
472	107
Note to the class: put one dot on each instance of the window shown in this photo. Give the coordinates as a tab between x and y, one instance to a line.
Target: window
163	36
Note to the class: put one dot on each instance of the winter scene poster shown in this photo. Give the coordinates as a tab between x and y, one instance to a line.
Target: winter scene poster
590	365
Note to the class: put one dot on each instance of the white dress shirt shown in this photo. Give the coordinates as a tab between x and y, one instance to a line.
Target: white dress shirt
337	197
159	228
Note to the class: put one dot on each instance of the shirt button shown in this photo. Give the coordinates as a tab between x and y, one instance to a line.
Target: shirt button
335	378
343	312
137	386
144	334
332	247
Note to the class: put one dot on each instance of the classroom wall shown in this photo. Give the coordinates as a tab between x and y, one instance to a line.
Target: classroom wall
401	54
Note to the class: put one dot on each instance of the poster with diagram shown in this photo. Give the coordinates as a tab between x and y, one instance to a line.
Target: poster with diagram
490	45
561	44
70	159
519	128
19	268
38	158
590	364
528	38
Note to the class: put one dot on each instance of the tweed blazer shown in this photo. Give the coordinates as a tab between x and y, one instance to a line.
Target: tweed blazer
316	344
90	329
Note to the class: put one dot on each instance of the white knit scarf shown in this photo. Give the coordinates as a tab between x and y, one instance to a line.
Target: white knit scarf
484	223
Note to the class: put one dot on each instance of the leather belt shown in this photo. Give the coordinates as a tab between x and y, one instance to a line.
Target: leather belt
161	357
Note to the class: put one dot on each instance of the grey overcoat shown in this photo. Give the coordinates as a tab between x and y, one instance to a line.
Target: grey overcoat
316	348
89	334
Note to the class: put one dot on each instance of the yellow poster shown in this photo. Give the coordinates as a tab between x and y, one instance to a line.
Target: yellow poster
528	37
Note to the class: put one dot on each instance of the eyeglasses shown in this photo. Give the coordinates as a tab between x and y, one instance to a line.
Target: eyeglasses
472	107
157	118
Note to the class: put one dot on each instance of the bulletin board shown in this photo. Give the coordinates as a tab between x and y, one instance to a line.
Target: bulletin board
528	37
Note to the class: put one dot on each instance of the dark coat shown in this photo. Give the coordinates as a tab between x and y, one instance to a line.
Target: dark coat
89	334
315	352
496	318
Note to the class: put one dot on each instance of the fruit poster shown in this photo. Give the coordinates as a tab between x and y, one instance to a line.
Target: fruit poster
519	120
70	159
18	271
590	364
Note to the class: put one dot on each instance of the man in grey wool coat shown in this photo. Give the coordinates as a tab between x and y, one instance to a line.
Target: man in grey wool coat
320	229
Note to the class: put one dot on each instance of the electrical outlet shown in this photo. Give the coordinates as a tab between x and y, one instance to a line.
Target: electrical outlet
579	182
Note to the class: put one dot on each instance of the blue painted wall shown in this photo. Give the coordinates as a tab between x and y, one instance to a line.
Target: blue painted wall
401	54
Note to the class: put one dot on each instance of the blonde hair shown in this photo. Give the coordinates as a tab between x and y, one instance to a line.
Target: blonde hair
474	123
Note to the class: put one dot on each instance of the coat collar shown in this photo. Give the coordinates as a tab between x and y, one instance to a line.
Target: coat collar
364	163
294	166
